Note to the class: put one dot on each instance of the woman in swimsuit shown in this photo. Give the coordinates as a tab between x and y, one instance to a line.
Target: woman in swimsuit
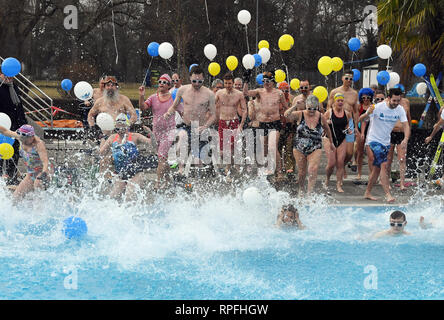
338	121
307	142
35	157
365	99
125	153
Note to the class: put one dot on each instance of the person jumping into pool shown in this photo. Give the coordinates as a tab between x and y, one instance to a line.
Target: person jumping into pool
123	146
384	117
307	143
269	115
338	120
398	221
199	110
164	129
227	102
35	156
288	217
351	105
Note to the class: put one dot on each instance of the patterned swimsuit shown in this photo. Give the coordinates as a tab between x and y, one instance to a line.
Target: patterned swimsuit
307	140
32	161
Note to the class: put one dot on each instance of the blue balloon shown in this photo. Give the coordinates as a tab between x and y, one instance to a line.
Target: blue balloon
5	139
74	228
383	77
419	70
66	84
257	59
354	44
260	79
356	75
11	67
400	86
193	65
153	49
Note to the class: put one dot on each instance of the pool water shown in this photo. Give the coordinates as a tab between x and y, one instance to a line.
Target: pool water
216	247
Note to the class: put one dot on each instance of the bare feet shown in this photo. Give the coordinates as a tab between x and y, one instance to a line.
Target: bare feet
339	188
389	199
370	197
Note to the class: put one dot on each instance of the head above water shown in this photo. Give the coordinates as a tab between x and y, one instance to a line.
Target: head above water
290	215
398	221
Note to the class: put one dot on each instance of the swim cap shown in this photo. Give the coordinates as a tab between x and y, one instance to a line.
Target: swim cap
26	130
283	85
122	119
339	96
165	77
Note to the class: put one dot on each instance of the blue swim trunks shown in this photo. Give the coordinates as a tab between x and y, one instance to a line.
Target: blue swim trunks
350	137
380	153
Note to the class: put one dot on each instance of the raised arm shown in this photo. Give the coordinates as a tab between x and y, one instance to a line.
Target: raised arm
8	133
249	93
106	147
93	112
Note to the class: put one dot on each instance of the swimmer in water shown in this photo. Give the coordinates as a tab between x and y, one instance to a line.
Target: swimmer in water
33	151
289	218
398	221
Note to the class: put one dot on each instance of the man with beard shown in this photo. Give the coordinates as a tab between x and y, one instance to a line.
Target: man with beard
114	104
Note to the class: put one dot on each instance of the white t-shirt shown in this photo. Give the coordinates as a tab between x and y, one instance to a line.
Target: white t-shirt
383	119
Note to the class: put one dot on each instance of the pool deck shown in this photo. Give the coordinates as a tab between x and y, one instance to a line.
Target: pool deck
352	196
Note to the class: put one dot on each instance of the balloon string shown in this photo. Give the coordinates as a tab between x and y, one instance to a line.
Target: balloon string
208	19
326	82
114	32
284	64
246	33
157	11
147	70
171	70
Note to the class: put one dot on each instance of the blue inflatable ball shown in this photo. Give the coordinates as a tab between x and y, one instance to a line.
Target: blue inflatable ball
74	228
354	44
5	139
193	65
419	70
383	77
66	84
11	67
260	79
257	59
153	49
356	75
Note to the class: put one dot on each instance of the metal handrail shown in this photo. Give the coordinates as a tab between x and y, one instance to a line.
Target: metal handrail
29	82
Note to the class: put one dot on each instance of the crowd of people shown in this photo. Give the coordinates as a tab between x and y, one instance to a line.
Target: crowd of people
235	128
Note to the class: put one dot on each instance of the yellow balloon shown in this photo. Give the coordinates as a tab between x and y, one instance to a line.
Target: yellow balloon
279	75
321	93
263	44
325	65
231	63
295	84
286	42
6	151
337	63
214	68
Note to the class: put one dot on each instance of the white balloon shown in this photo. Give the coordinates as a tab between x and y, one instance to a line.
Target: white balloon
83	90
5	121
265	54
384	51
105	121
248	61
244	17
166	50
252	197
394	79
210	51
421	88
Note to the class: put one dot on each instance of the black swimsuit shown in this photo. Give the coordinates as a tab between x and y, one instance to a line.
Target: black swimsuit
338	127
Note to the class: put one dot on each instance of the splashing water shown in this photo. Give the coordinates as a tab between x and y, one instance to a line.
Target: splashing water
214	247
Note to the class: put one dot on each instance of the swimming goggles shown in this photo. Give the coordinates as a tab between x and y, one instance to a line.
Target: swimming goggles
392	224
